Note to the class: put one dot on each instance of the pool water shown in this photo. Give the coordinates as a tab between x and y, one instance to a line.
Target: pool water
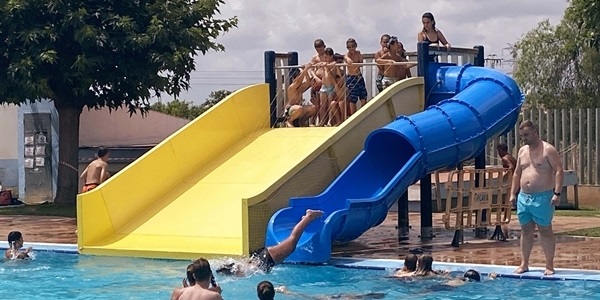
69	276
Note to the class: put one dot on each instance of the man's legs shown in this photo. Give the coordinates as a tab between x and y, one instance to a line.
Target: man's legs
527	231
549	245
281	251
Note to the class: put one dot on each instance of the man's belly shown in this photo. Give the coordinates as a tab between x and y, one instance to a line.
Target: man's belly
535	182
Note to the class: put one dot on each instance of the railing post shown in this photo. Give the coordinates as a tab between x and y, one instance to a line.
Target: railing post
425	182
293	61
480	232
272	81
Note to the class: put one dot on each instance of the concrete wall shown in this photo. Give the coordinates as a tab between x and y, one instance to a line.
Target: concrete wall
117	128
37	107
9	162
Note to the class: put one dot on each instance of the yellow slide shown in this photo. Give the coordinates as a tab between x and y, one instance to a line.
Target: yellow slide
210	188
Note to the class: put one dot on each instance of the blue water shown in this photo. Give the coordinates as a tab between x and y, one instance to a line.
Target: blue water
69	276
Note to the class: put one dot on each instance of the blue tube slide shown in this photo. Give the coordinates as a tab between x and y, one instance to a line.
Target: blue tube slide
485	104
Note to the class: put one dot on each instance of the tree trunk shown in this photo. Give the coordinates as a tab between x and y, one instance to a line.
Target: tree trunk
68	154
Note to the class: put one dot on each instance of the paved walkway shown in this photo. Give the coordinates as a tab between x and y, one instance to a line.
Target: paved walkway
382	241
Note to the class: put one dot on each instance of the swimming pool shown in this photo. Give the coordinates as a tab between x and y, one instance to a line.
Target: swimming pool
70	276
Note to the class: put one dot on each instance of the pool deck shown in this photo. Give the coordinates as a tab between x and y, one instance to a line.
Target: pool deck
381	247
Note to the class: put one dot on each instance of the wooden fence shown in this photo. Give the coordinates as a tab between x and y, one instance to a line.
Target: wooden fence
574	133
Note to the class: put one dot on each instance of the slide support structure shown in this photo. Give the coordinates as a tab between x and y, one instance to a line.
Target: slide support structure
271	79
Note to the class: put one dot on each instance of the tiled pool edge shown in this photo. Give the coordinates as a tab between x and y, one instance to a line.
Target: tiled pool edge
391	264
502	271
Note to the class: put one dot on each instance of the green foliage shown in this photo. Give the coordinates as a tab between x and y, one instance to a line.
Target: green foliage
586	15
178	108
103	52
187	110
216	96
555	69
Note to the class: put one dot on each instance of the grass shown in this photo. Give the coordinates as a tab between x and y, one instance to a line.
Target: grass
588	213
48	209
578	213
589	232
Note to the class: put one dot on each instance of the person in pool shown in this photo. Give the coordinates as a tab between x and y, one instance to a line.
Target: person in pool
15	243
265	258
410	266
425	267
189	280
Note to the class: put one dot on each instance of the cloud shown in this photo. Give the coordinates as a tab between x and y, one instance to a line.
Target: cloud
285	25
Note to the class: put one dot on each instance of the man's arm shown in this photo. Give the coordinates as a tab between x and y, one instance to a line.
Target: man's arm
559	173
516	179
104	175
83	175
443	40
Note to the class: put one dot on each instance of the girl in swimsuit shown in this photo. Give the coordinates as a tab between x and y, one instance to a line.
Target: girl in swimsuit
431	34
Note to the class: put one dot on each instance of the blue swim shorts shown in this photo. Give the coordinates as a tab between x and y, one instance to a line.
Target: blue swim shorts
536	207
357	88
327	89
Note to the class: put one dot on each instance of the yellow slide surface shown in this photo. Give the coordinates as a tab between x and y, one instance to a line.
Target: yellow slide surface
210	188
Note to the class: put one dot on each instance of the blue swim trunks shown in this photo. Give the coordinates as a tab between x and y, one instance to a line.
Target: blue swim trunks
327	89
356	87
536	207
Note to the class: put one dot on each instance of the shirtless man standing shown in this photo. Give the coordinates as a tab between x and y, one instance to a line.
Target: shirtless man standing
96	172
357	90
539	175
393	73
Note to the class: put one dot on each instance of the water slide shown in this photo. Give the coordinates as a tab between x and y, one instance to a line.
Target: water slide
484	104
210	188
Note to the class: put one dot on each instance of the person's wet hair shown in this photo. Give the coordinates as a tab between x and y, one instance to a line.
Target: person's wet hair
202	270
189	274
265	290
502	147
102	152
429	16
410	262
425	265
385	36
528	123
13	237
351	43
319	43
392	41
472	275
329	51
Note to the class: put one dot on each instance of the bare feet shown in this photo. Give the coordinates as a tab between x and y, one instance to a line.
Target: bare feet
521	270
313	214
549	271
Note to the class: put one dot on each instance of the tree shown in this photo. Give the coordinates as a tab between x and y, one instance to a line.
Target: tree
187	110
215	97
586	15
555	69
101	53
178	108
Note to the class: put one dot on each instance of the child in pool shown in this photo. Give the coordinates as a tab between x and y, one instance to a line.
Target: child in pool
15	243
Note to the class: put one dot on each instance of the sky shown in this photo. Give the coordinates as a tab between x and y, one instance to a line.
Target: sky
286	25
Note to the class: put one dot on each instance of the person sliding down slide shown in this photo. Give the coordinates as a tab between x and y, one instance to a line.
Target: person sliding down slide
267	257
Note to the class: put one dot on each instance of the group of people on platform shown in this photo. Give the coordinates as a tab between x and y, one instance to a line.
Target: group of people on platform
337	92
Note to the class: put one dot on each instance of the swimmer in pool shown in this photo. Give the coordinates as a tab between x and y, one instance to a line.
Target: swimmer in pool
15	243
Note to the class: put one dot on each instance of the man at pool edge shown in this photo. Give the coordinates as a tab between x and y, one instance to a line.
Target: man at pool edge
539	175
